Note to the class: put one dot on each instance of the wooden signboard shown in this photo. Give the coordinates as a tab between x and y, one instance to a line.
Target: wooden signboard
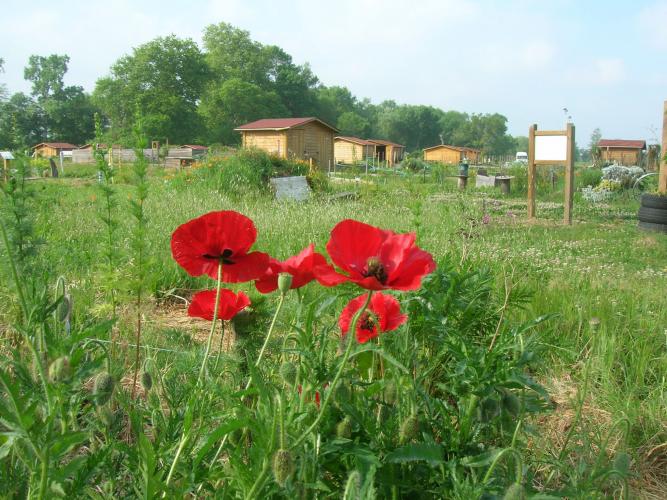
551	147
291	188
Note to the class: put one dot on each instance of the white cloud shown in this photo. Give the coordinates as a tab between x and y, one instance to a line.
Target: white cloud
651	22
608	71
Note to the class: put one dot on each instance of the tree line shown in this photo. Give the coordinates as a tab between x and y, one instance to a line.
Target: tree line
189	95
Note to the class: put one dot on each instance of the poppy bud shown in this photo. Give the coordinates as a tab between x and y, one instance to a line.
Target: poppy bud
390	393
103	388
60	369
288	372
344	428
409	429
515	492
64	308
283	466
146	380
284	282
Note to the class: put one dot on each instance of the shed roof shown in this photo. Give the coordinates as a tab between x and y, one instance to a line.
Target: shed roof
56	145
621	143
386	143
281	124
356	140
195	146
447	146
6	155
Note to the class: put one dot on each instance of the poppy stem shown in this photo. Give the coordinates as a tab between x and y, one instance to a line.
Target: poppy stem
352	332
268	335
215	320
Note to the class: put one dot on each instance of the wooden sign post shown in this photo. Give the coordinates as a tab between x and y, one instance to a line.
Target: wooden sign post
662	179
551	147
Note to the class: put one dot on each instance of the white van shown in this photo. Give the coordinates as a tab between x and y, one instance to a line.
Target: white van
522	156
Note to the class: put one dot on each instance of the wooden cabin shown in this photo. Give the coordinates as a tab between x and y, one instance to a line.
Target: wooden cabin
444	153
622	152
52	149
352	149
388	151
301	138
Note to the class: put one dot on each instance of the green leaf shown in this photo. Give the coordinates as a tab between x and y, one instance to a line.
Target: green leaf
429	452
65	442
215	436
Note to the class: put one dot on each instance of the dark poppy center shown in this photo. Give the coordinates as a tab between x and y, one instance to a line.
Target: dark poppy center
367	322
224	256
375	268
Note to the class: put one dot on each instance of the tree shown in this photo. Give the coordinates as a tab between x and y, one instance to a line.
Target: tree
164	79
234	103
46	75
70	116
21	122
596	135
352	124
66	113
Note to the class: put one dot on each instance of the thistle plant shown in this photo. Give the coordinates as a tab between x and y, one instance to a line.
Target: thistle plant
138	239
108	216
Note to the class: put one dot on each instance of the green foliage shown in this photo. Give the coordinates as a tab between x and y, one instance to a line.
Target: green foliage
249	169
164	78
589	177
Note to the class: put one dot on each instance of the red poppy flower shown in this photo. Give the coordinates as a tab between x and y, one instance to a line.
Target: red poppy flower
374	258
300	266
382	315
229	305
225	236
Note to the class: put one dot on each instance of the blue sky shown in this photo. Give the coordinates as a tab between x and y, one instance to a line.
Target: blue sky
605	61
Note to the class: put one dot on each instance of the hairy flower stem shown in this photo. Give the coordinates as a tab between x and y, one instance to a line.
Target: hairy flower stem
215	320
332	388
268	335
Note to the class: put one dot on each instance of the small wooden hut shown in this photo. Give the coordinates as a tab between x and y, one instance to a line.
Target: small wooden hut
302	138
388	151
444	153
621	151
52	149
352	149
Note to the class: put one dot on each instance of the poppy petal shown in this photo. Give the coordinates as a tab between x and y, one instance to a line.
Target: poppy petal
246	267
352	243
203	304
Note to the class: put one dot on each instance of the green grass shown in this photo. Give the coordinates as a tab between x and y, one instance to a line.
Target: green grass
602	266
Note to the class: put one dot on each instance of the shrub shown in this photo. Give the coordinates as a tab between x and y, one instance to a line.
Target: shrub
590	176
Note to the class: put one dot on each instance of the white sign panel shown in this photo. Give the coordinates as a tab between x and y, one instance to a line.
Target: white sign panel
291	188
550	148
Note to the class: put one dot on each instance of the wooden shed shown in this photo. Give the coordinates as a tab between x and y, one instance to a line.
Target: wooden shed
301	138
52	149
621	151
444	153
388	151
352	149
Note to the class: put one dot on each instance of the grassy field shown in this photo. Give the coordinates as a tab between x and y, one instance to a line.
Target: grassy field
607	383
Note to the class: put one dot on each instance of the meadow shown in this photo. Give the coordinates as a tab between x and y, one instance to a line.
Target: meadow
533	359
